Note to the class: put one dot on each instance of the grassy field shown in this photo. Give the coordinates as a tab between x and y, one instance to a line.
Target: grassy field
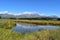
7	34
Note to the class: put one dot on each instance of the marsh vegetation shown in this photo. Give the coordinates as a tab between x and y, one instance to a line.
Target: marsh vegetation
47	34
40	22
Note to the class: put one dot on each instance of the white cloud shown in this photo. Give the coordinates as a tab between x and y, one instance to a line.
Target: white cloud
4	12
53	14
34	12
26	12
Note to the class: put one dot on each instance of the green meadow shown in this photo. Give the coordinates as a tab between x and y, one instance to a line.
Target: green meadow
47	34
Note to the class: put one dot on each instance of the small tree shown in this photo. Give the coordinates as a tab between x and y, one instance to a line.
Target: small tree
0	17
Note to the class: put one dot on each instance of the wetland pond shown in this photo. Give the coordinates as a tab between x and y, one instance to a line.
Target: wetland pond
27	28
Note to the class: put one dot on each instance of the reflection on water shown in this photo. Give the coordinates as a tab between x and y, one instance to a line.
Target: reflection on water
24	27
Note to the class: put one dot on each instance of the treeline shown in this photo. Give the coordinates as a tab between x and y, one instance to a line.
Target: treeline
47	18
37	18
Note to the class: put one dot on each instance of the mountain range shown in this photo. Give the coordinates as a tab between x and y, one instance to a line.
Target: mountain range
6	15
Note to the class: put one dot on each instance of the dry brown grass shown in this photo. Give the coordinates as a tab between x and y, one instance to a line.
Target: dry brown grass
40	22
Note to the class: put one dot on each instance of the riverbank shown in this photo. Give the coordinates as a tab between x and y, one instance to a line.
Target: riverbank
9	23
40	22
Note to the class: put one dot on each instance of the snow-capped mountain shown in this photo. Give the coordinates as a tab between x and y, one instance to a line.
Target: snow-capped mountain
7	16
28	16
34	15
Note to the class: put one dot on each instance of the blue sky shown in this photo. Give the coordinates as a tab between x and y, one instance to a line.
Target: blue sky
47	7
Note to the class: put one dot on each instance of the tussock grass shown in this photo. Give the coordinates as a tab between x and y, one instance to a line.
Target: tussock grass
6	34
7	23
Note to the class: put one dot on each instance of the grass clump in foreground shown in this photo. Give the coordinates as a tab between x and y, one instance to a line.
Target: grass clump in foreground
7	23
6	34
53	34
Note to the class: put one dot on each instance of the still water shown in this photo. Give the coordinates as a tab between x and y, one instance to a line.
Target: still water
24	27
